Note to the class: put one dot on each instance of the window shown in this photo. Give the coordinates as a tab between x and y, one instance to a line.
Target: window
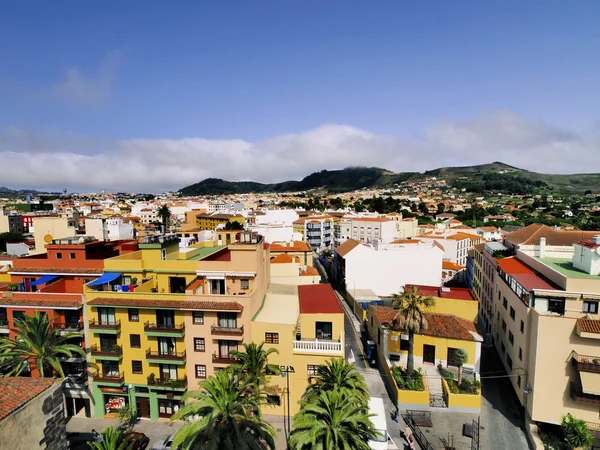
512	313
590	307
271	338
135	341
403	344
503	325
522	327
136	366
311	369
509	362
498	315
378	337
200	371
71	255
198	317
503	348
18	315
274	400
199	344
504	302
511	338
520	354
244	283
324	330
519	380
227	319
134	315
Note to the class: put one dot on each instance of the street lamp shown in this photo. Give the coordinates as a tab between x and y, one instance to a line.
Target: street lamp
285	371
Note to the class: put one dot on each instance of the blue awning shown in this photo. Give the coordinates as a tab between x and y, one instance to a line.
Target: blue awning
44	280
105	278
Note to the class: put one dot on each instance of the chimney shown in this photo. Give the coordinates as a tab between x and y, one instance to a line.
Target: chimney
542	247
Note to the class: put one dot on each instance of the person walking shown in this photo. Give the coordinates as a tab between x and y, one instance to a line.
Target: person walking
396	415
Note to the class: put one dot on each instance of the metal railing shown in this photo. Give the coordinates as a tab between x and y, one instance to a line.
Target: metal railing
116	377
179	383
167	355
231	331
586	363
225	359
114	350
164	328
105	324
68	326
417	433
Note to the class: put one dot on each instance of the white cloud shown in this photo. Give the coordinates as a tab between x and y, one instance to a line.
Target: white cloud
61	160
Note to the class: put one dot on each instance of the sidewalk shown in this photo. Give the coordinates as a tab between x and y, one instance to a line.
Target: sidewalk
280	426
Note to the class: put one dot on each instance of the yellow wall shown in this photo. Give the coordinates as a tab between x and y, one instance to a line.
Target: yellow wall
309	321
467	309
461	400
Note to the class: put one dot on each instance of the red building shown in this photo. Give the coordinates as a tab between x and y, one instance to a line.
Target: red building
52	283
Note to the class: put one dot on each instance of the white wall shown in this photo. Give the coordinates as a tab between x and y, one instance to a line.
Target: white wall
276	233
277	217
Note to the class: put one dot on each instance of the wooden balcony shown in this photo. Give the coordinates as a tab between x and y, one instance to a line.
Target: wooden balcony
110	378
158	357
226	359
114	353
158	329
180	383
579	396
226	331
586	363
108	327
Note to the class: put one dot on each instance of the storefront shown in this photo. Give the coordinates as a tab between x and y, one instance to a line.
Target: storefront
168	407
114	400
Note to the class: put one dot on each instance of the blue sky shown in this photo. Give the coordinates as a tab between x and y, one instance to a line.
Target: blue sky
298	86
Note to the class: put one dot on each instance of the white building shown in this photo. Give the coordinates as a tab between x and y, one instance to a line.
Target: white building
273	217
455	245
489	233
387	268
112	229
276	233
317	231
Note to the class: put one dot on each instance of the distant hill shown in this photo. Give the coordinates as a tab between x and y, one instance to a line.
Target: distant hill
496	176
7	191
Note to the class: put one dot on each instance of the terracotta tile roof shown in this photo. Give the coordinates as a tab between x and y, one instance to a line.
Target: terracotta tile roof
589	325
489	229
459	237
454	293
294	246
406	241
309	272
181	304
531	234
282	258
17	391
438	325
41	302
318	299
69	270
449	265
373	219
346	247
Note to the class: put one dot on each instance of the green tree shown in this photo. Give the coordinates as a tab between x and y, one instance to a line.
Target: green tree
164	213
576	432
441	208
338	374
254	365
331	421
9	238
112	439
227	417
460	358
234	225
411	318
37	345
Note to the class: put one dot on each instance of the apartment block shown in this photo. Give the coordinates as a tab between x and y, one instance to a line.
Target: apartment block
316	231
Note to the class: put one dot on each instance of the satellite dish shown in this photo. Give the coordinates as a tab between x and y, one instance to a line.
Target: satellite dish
48	238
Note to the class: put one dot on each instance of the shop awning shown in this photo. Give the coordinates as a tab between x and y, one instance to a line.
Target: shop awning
590	383
44	280
104	278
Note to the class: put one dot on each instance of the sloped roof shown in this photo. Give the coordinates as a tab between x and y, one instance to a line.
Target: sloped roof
181	304
589	325
318	299
346	247
531	235
294	246
17	391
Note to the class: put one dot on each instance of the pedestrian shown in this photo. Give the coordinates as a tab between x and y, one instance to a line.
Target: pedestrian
96	435
396	414
407	434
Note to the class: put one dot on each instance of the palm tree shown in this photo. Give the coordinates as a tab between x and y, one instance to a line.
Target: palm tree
112	439
165	215
37	345
329	421
338	374
411	318
254	365
460	358
224	416
576	432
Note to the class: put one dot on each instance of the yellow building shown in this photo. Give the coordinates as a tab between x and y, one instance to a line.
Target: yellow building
306	326
156	313
211	221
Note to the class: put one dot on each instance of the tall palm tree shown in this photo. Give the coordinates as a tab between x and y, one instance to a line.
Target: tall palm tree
338	374
165	215
112	439
411	318
37	345
329	421
254	365
224	417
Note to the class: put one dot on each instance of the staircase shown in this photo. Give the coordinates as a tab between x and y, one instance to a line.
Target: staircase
436	392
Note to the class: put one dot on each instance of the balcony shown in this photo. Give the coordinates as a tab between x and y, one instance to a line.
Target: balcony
226	331
113	378
114	353
160	357
105	326
76	381
4	326
69	327
579	396
319	347
225	359
180	383
164	330
585	363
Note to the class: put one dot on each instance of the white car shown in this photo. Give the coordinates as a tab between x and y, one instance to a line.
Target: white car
163	443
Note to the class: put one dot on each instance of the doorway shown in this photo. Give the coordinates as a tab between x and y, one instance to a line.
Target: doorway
142	405
429	354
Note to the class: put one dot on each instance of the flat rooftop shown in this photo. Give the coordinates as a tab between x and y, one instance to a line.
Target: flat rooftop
206	251
281	305
566	268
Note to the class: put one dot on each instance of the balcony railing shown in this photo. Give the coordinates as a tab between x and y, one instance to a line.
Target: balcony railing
151	327
3	323
316	346
227	331
167	356
180	383
111	377
108	325
114	350
586	363
70	327
224	359
579	396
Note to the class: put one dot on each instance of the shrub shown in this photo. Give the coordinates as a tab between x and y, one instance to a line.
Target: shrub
576	432
401	377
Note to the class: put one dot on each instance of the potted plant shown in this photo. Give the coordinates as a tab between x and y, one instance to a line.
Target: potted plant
134	281
13	287
151	378
174	384
576	432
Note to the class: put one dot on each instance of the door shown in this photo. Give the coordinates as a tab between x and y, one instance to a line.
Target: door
429	354
324	330
143	406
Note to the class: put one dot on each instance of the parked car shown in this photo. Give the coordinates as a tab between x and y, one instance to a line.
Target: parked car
164	443
140	440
